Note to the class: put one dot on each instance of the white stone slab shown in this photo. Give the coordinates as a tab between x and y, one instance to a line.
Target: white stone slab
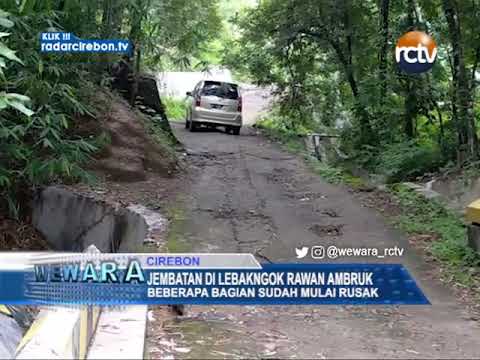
120	334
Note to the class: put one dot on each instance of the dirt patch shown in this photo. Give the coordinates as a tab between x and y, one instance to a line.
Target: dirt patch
308	196
229	213
20	235
380	200
202	159
326	230
330	213
155	192
279	175
132	151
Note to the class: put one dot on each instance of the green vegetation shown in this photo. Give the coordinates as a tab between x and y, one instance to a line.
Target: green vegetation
175	108
175	35
332	64
335	175
48	109
176	239
37	144
276	131
215	52
163	139
423	216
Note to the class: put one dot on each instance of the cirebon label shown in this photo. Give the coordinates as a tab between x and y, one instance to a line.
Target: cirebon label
415	52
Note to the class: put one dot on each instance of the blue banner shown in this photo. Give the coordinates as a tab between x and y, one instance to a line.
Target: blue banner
106	283
57	42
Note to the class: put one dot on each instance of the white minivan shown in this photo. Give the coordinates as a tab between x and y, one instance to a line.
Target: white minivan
214	103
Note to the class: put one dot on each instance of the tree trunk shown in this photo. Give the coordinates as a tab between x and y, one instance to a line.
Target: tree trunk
346	58
136	74
411	106
343	50
411	109
107	18
383	64
462	96
135	29
117	18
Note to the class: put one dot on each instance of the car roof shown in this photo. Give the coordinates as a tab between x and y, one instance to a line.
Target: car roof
218	81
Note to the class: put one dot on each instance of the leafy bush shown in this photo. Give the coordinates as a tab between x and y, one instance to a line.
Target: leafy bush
175	108
276	129
37	145
405	160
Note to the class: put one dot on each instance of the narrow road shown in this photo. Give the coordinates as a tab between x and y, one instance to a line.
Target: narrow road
248	195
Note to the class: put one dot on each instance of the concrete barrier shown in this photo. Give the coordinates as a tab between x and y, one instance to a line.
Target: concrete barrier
71	222
10	333
60	333
120	334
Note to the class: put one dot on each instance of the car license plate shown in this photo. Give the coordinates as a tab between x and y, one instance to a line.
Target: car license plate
216	106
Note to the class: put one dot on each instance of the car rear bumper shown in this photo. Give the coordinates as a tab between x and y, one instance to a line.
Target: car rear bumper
215	117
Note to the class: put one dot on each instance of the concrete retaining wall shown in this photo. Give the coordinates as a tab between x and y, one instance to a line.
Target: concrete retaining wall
72	222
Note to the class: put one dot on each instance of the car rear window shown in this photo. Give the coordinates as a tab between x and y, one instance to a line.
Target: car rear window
220	89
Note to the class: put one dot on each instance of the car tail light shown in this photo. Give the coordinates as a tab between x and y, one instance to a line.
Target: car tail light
239	108
197	101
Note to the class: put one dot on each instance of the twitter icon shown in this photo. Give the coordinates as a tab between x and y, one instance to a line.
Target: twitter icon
302	252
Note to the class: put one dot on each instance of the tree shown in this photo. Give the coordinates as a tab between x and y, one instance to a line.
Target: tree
383	64
312	51
462	87
46	97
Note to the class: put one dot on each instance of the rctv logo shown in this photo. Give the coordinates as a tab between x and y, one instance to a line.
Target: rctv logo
415	52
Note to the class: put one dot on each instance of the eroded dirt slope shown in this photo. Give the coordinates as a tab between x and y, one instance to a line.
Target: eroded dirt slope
132	151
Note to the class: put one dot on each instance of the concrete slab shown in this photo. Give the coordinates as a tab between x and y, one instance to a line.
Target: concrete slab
47	339
120	334
10	336
72	222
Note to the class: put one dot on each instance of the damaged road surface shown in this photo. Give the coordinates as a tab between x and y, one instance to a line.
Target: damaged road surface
245	194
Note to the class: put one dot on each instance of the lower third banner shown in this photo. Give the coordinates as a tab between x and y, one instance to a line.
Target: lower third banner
108	283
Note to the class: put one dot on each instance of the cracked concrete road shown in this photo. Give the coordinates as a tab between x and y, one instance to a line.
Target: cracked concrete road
248	195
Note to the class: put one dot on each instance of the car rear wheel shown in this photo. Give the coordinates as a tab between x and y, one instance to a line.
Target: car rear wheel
235	130
193	126
187	124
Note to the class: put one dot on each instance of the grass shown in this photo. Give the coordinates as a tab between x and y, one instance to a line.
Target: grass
334	175
294	143
175	108
176	240
418	215
159	135
424	216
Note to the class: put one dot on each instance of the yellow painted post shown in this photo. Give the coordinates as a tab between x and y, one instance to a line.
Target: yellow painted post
84	332
472	215
5	310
